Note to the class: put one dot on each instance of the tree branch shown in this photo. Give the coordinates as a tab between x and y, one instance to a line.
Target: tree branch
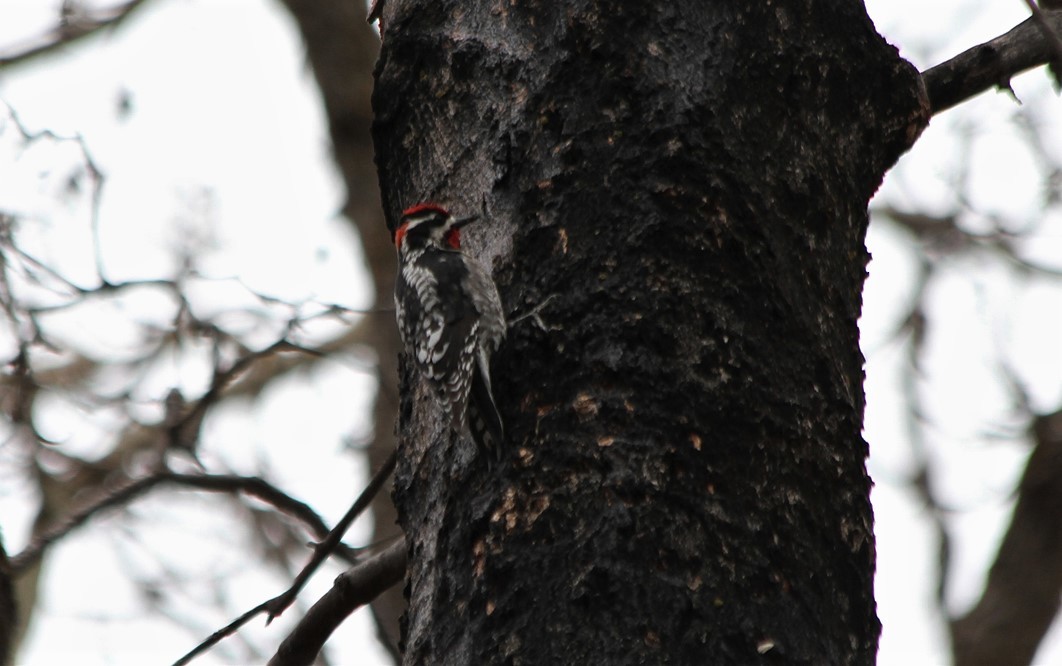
355	587
278	604
323	549
123	494
991	64
1021	597
86	23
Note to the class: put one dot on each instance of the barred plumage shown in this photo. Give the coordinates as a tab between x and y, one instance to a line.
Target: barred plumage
450	319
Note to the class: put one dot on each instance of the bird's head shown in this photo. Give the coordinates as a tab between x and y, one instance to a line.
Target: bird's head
429	225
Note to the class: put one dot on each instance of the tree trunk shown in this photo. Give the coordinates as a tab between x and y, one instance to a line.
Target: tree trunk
685	477
8	613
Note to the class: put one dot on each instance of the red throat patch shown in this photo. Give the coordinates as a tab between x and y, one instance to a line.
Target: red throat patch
453	238
400	233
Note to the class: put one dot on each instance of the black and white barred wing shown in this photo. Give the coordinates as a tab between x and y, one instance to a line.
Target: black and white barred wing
439	328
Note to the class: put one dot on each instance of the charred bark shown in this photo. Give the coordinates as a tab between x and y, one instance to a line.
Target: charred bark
8	613
685	481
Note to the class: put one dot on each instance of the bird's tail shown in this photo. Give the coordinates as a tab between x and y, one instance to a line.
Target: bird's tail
484	421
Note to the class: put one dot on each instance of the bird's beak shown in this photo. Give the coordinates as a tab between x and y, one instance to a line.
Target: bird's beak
462	221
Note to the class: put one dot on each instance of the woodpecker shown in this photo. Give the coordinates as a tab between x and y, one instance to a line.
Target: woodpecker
450	319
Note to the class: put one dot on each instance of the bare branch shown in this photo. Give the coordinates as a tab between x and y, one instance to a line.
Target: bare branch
247	485
226	631
991	64
943	234
277	605
355	587
223	378
921	481
86	23
323	549
1021	597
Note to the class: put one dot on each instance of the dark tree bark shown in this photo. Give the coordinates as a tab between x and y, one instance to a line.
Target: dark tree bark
8	614
685	478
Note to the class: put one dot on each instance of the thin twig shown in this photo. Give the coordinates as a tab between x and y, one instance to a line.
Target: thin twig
922	478
226	631
64	34
323	549
223	378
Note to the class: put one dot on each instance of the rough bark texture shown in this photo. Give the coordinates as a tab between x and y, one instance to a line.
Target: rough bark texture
1021	597
685	480
8	614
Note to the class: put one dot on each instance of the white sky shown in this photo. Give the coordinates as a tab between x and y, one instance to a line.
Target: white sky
204	101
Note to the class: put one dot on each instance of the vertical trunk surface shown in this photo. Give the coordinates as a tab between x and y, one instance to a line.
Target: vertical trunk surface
685	480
